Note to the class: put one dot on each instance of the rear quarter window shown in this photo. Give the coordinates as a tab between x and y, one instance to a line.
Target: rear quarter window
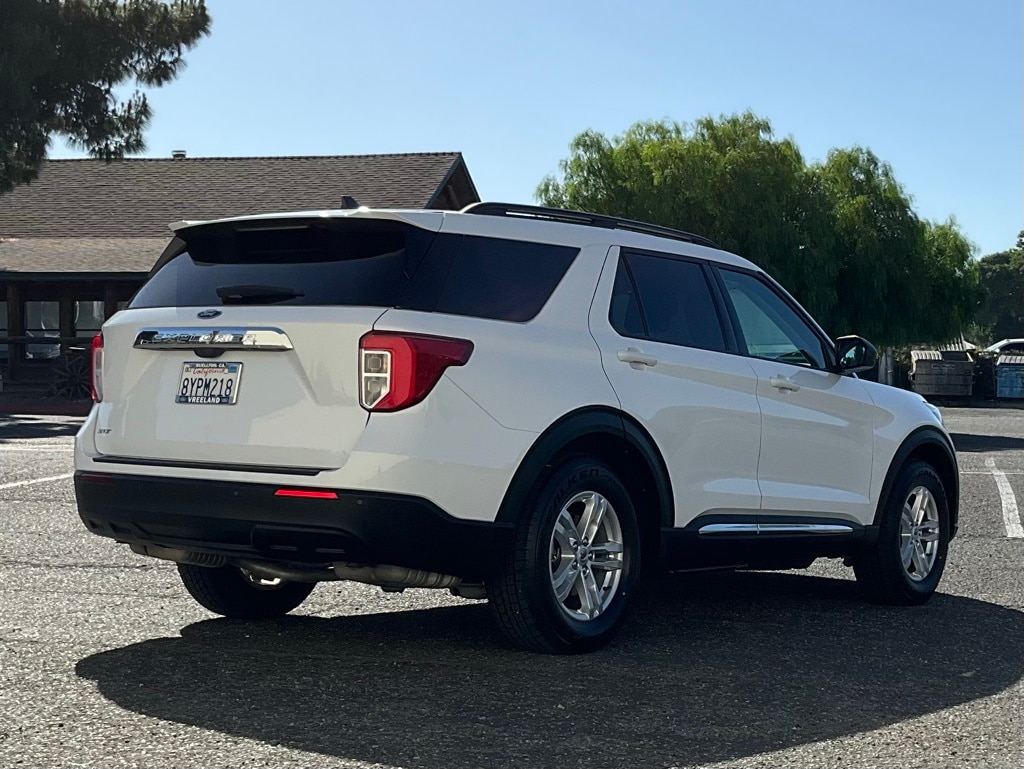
494	278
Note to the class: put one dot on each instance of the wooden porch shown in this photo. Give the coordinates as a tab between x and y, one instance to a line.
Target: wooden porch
52	360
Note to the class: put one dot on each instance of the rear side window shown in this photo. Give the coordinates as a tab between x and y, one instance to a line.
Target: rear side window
355	262
625	308
498	279
665	300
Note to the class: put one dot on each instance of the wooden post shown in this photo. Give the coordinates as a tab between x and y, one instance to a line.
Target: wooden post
67	314
15	327
109	299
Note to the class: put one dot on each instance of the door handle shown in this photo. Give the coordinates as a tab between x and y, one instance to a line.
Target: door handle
783	384
636	358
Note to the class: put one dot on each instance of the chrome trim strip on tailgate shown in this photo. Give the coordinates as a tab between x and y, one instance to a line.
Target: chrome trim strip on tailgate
231	338
191	465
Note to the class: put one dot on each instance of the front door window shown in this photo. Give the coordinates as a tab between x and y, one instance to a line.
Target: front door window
770	327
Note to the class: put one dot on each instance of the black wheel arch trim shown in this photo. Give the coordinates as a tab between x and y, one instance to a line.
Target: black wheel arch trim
923	436
592	420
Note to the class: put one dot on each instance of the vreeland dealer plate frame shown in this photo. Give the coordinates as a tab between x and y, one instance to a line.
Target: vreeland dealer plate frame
209	383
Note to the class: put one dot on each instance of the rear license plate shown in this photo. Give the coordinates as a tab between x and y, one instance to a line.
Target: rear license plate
210	384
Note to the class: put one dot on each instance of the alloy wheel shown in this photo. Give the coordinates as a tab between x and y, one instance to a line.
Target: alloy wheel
586	556
919	533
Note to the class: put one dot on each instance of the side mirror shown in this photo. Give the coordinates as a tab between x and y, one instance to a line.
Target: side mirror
853	354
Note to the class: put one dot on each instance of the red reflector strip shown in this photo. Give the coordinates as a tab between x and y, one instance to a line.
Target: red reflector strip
306	494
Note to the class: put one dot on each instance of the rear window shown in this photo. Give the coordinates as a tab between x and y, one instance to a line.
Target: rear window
358	262
355	262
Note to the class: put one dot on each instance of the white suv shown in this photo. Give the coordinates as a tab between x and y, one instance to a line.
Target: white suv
510	402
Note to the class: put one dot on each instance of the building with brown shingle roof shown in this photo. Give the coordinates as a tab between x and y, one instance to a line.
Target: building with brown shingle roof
76	243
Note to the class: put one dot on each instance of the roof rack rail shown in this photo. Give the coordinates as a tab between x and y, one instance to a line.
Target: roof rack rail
522	211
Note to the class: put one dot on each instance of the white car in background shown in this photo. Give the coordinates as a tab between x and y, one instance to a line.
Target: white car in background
1007	347
511	402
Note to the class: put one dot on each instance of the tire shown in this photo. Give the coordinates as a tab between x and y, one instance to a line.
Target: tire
522	594
882	570
228	591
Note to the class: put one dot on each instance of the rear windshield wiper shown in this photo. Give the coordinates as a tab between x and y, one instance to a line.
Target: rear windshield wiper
257	294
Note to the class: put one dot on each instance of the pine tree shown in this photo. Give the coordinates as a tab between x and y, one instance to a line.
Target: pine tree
60	61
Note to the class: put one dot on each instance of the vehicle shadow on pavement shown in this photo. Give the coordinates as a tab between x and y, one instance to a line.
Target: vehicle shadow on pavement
978	443
22	427
708	668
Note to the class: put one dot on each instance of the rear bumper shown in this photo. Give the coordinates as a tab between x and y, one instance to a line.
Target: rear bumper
247	520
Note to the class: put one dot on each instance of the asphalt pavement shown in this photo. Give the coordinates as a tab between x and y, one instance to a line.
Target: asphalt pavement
106	662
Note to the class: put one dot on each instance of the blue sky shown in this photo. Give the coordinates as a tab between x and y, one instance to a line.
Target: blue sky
934	87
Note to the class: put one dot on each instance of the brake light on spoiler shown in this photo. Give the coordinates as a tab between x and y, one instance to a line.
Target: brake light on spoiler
399	370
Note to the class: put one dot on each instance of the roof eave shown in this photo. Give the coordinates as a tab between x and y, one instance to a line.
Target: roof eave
456	166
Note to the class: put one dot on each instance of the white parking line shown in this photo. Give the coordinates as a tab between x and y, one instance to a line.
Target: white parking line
989	472
63	449
1011	516
15	484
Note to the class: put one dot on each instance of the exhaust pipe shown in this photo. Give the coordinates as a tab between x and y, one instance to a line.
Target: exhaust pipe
390	578
284	573
255	568
394	577
180	556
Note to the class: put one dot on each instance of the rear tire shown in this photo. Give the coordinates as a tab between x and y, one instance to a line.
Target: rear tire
564	586
230	592
905	563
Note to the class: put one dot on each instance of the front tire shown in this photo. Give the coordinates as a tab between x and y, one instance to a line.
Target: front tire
566	582
905	563
230	592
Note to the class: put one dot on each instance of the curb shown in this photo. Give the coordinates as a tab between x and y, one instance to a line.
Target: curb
1002	403
45	408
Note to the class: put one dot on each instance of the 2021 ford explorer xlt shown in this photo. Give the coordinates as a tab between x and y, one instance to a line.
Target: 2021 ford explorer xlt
510	402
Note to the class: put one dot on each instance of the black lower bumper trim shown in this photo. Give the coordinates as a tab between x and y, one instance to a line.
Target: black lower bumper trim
247	520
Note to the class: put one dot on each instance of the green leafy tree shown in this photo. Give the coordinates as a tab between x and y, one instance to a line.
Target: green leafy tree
901	279
60	61
1002	280
728	179
954	292
841	235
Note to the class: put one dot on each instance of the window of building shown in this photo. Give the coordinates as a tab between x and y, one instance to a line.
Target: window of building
88	318
42	319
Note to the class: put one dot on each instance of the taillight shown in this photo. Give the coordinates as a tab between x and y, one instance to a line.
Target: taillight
97	368
399	370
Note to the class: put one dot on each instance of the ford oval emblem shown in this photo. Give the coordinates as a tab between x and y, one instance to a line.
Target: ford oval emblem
206	314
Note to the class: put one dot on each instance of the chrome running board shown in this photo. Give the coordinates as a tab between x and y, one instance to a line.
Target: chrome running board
802	529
